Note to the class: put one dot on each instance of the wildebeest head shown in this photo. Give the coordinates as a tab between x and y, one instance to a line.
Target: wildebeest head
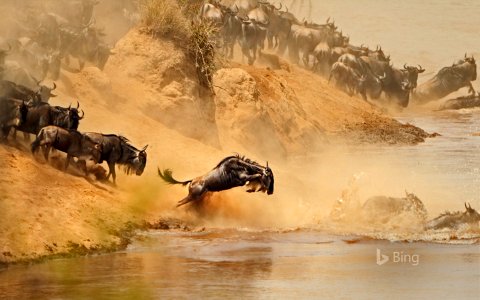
471	215
136	160
142	161
45	93
471	60
268	179
68	118
412	75
74	116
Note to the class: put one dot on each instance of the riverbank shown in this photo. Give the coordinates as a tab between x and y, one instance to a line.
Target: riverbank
148	92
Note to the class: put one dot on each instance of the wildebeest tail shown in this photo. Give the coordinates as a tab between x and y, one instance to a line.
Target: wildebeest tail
167	177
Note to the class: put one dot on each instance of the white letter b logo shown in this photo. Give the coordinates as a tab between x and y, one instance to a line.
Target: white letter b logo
381	259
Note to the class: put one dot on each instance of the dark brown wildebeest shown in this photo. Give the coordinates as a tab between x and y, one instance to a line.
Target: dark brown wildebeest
117	150
252	33
347	78
231	172
12	113
304	38
9	89
72	142
454	220
448	80
231	31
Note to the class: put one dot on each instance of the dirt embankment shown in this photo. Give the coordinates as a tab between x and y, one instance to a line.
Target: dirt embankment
149	93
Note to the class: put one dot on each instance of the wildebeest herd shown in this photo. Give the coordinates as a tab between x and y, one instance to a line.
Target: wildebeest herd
324	49
48	39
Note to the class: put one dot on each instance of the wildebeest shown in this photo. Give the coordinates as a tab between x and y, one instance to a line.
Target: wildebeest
232	30
86	45
231	172
346	78
10	89
71	142
304	38
118	150
397	84
448	80
252	32
370	84
469	101
210	12
42	115
12	113
454	220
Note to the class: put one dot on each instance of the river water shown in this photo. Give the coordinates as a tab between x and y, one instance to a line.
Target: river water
320	261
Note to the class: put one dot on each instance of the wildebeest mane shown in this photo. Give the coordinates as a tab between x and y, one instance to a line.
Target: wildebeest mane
131	153
239	157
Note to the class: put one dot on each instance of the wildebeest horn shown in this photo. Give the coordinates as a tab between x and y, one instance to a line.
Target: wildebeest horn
420	69
78	105
280	6
267	163
465	55
54	86
70	106
327	20
466	205
405	66
83	114
286	8
144	148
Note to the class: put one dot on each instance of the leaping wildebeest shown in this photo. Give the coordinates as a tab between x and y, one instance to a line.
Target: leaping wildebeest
448	80
231	172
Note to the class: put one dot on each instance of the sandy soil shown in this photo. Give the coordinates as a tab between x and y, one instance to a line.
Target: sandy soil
148	93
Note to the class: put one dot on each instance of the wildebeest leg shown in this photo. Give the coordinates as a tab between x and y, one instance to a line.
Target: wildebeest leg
111	168
196	192
46	151
67	162
83	166
270	40
185	200
471	89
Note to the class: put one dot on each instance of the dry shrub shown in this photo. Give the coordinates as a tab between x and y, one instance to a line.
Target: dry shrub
175	19
201	48
164	18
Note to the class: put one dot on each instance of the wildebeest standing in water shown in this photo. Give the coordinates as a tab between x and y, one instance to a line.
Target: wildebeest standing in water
117	150
232	171
448	80
453	220
72	142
